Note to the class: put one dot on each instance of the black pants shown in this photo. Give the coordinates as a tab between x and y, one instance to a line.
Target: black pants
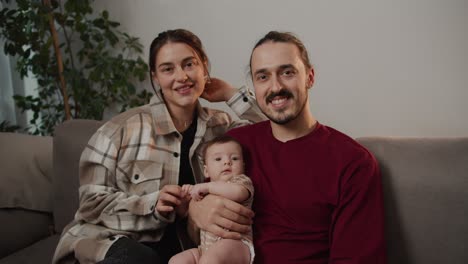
128	251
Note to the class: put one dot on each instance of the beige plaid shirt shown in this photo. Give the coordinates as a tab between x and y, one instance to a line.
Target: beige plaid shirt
123	167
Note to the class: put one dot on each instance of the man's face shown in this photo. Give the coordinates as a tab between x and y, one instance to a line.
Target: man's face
281	81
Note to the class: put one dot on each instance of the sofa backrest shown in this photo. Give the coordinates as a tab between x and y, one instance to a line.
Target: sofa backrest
425	184
69	141
25	172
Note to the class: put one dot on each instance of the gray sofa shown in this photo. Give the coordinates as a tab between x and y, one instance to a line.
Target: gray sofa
425	186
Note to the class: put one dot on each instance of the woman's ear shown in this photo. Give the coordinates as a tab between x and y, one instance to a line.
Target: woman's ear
205	172
206	71
155	78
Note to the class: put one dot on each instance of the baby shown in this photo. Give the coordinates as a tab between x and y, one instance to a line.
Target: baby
224	166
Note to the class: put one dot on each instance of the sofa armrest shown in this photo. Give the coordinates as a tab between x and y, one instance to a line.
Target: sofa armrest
69	141
425	184
25	190
40	252
21	228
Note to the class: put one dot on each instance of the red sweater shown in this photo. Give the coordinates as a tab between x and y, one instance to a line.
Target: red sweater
318	198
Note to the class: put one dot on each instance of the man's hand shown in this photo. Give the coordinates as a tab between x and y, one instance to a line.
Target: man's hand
218	90
221	216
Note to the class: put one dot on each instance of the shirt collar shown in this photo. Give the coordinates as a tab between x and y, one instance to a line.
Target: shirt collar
162	119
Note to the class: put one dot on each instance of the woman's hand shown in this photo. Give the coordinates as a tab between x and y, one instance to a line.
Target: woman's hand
170	197
218	90
182	209
221	216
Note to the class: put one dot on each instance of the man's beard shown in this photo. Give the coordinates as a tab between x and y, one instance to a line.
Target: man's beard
282	120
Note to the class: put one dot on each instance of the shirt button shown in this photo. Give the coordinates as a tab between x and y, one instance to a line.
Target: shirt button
176	154
136	176
176	135
245	99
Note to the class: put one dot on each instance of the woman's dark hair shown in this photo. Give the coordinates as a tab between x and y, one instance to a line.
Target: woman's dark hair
285	37
176	36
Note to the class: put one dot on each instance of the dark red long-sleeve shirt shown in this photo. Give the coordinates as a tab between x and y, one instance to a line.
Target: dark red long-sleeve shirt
318	198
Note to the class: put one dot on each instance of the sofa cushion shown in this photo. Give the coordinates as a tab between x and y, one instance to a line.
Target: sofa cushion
25	172
69	141
40	252
21	228
425	184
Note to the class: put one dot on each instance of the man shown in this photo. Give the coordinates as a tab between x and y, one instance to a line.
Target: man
318	195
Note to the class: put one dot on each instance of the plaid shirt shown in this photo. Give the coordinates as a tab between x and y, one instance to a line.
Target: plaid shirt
125	164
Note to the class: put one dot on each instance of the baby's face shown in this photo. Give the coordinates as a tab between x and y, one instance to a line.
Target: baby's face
223	160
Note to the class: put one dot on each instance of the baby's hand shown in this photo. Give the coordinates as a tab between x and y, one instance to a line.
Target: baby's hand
199	191
186	189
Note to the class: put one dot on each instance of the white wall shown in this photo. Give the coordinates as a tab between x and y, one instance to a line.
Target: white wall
383	68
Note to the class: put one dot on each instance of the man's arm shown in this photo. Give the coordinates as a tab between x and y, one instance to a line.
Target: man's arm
358	221
220	216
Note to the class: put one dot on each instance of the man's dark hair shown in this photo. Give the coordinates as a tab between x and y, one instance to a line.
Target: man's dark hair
284	37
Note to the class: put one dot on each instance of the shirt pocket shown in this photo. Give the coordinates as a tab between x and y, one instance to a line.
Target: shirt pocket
140	177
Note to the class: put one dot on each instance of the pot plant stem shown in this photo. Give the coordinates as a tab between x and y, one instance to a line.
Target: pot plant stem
58	56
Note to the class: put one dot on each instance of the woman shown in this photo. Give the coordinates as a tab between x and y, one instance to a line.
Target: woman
133	167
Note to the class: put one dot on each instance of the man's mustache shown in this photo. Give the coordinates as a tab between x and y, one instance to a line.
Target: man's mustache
283	93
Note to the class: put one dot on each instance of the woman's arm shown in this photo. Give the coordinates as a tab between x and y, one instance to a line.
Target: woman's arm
103	202
241	101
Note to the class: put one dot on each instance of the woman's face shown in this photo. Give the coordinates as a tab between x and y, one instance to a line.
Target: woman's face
180	74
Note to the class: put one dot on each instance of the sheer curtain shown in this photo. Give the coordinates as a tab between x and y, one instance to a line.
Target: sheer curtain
11	84
7	105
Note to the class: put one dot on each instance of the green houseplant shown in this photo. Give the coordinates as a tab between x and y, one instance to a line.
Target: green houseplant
82	62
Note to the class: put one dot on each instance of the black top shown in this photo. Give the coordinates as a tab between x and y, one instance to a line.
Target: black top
185	171
169	243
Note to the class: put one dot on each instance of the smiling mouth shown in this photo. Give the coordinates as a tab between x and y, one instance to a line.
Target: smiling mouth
279	101
279	98
184	89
